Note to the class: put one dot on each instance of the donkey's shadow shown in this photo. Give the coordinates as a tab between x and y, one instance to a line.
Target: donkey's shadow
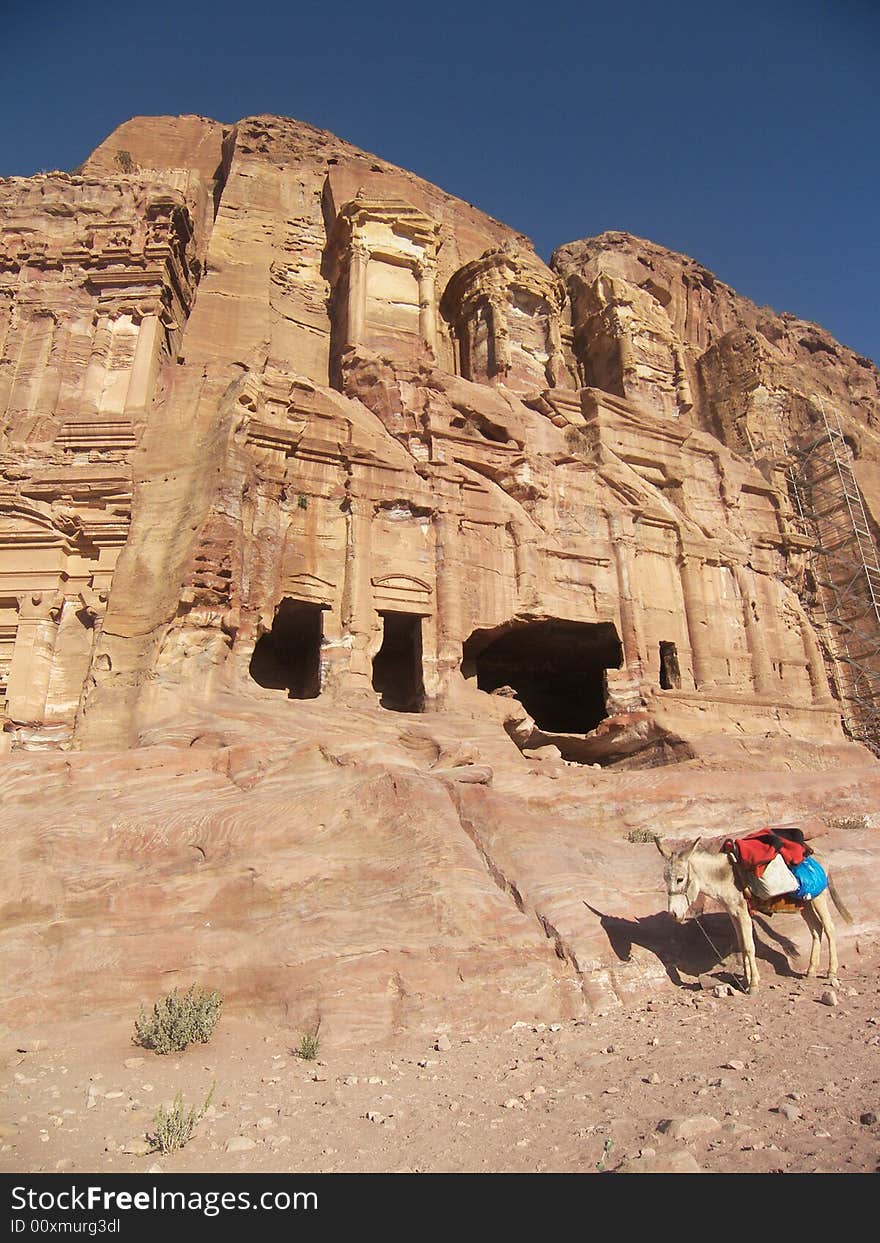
686	950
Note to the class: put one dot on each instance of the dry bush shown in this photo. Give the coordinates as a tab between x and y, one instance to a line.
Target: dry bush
178	1020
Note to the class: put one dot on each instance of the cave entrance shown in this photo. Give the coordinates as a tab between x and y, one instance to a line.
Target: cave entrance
670	673
557	669
288	657
397	666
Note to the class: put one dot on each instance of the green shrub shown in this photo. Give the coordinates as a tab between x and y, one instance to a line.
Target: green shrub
309	1045
178	1020
175	1126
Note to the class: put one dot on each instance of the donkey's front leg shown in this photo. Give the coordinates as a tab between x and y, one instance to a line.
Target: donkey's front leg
747	938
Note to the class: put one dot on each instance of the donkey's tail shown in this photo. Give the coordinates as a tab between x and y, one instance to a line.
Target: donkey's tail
838	901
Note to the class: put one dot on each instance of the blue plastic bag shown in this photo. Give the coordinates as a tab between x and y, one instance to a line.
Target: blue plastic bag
811	879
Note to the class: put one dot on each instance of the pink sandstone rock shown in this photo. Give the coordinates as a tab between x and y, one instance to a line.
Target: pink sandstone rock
359	572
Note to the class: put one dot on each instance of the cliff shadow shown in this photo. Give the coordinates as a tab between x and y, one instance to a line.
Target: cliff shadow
695	949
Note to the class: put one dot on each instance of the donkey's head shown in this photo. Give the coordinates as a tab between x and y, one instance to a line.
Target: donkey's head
681	885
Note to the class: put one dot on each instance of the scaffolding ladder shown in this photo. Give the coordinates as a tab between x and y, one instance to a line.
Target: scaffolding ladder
845	570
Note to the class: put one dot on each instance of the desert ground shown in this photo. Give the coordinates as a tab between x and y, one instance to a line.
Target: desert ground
697	1076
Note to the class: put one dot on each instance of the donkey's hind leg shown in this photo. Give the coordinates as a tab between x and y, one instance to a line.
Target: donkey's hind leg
822	914
811	919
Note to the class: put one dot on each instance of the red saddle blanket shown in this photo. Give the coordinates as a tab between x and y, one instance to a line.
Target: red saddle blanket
755	850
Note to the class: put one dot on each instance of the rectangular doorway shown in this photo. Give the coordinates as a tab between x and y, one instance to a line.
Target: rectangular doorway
397	666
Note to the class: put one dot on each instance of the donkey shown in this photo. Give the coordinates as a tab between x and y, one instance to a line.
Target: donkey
690	872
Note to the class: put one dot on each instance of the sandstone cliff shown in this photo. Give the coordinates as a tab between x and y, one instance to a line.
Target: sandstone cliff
316	474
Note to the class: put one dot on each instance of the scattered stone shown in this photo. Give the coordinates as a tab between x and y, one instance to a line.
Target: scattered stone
868	1119
513	1102
829	998
790	1112
132	1063
373	1116
240	1143
734	1064
155	1168
264	1124
134	1148
682	1162
689	1128
442	1044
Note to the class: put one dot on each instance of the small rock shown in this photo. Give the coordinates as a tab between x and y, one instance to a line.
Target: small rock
652	1078
132	1063
350	1081
264	1124
155	1168
734	1065
829	998
789	1112
513	1102
682	1162
442	1044
373	1116
868	1119
134	1148
113	1096
240	1143
689	1128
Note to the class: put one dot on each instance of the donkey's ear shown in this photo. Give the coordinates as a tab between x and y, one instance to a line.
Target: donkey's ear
664	852
691	849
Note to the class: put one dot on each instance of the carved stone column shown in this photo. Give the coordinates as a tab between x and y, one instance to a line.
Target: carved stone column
525	567
762	672
631	634
357	293
448	573
96	371
815	664
31	665
427	304
698	627
358	615
144	367
500	337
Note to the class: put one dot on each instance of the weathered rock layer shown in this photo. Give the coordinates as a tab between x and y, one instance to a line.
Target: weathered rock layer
291	437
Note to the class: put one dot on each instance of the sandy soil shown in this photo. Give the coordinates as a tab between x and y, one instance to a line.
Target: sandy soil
684	1081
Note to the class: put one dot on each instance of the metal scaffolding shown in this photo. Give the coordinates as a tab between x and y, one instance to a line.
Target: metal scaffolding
845	573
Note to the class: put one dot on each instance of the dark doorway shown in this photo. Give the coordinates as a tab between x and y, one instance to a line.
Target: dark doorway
397	666
556	668
288	658
670	674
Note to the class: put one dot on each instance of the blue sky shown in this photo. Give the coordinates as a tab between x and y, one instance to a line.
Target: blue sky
745	135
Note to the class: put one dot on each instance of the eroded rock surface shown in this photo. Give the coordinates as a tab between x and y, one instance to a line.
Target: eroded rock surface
352	557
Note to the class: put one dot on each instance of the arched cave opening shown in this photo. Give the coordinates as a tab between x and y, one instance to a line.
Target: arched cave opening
397	666
556	667
288	657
